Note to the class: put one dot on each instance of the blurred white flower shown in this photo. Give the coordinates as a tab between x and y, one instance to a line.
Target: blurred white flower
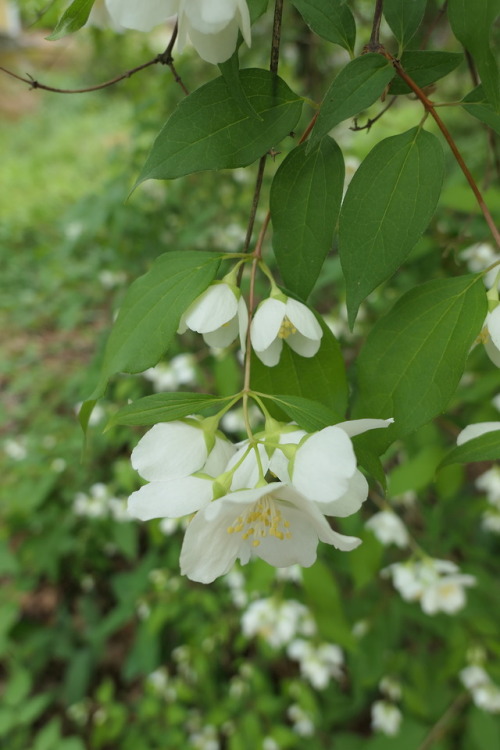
97	415
302	722
473	676
235	580
168	376
489	482
277	622
94	505
386	718
390	687
205	739
388	528
490	521
485	693
110	279
15	449
284	319
291	573
142	16
318	664
478	257
219	314
436	584
496	401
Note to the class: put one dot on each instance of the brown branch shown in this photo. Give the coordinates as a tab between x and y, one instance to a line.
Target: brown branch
276	38
432	26
430	109
377	20
438	730
372	120
164	58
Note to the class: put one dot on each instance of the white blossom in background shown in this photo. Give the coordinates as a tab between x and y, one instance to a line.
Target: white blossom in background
390	687
485	693
219	314
388	528
490	335
318	664
211	25
168	376
437	585
490	521
111	279
386	718
478	257
235	581
93	505
489	483
277	622
205	739
269	744
284	319
303	724
291	573
97	415
15	449
496	401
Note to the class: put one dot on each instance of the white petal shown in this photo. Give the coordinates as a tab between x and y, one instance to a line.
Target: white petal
324	464
266	323
475	430
303	319
492	352
223	336
142	16
279	462
302	345
271	356
219	457
351	501
170	499
168	450
216	306
358	426
215	47
493	325
247	474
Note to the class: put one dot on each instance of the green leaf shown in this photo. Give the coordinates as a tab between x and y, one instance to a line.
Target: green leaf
330	19
310	415
231	73
164	407
72	19
305	202
476	104
472	23
483	448
257	8
357	86
388	205
414	357
209	130
425	67
322	376
150	313
326	603
404	18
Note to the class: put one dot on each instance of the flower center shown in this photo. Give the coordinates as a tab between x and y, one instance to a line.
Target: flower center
262	520
286	329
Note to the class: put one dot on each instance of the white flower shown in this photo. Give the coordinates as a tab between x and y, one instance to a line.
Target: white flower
485	693
388	528
276	321
219	314
478	257
390	687
386	718
318	664
491	335
277	622
273	522
490	521
475	430
142	16
302	722
436	584
473	676
168	456
212	27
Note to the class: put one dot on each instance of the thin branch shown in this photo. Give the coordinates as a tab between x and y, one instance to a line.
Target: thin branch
372	120
439	727
255	203
377	20
164	58
276	38
432	26
430	109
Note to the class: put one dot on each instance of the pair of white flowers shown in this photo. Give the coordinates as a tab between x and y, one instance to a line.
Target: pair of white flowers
220	315
211	25
239	514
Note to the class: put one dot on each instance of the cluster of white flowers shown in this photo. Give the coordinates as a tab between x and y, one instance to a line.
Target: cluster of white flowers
318	664
211	25
181	370
220	315
277	622
437	584
99	503
191	468
485	693
478	257
388	528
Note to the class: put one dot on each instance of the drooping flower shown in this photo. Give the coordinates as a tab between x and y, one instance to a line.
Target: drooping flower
219	314
284	319
388	528
213	26
318	664
278	622
273	522
168	456
386	718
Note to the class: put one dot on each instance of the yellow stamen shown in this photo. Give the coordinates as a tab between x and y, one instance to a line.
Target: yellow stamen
262	520
286	329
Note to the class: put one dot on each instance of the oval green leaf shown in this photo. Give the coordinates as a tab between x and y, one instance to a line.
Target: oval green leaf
477	105
305	202
330	19
164	407
483	448
414	357
150	313
404	18
310	415
357	86
388	205
209	130
72	19
425	67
